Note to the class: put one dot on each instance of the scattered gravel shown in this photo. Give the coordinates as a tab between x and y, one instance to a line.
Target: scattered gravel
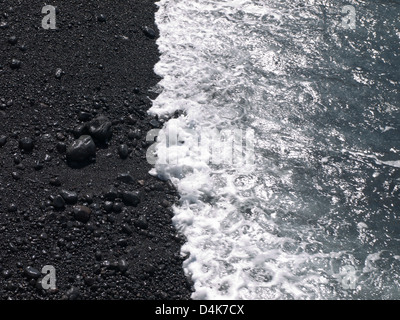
75	189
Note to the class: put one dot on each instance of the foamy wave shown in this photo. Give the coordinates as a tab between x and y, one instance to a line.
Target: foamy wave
263	229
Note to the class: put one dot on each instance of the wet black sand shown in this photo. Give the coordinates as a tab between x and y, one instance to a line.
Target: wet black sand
98	62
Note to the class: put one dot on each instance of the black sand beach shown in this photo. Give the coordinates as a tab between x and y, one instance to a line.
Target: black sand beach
88	208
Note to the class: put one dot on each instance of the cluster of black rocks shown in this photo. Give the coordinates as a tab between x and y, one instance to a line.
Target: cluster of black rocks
84	148
75	192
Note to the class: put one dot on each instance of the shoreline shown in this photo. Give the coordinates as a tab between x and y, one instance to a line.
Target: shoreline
92	76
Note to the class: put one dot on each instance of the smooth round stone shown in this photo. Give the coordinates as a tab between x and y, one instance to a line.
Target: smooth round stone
111	194
58	73
82	213
126	178
122	265
70	197
58	202
101	18
131	198
84	116
12	207
108	206
3	141
55	182
123	151
149	32
141	222
38	165
12	40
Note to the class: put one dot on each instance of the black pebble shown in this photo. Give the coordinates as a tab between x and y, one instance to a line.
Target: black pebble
122	242
123	151
98	255
100	129
58	202
70	197
82	213
111	194
131	198
59	73
26	144
127	229
154	123
149	32
122	265
15	64
3	141
87	197
6	274
16	175
131	119
84	116
101	18
126	178
136	90
89	281
12	40
55	182
106	264
108	206
32	273
38	165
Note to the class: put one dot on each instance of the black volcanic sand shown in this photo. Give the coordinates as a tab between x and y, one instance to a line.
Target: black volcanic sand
99	218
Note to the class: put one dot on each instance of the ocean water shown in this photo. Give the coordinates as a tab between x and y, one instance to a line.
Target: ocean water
286	152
